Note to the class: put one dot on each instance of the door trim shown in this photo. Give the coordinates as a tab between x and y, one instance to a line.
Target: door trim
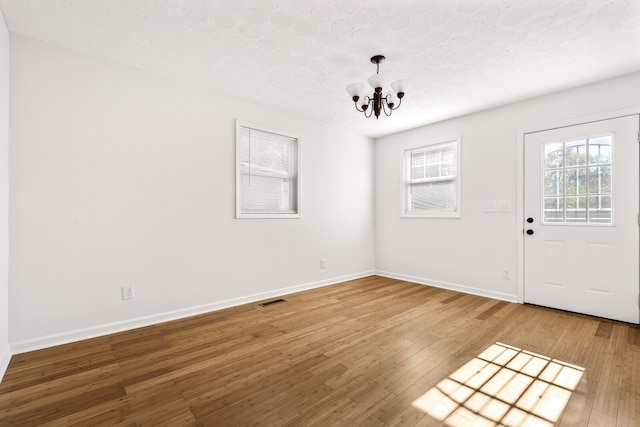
520	179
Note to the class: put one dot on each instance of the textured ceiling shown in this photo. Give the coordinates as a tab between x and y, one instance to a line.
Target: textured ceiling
459	56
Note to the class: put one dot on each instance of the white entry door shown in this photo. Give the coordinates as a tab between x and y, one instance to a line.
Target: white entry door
581	246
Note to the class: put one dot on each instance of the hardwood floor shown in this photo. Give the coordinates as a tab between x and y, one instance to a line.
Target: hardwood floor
369	352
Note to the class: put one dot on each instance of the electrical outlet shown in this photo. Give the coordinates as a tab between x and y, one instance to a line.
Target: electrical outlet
127	292
506	274
323	263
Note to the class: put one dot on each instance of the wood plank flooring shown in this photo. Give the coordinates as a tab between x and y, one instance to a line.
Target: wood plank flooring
369	352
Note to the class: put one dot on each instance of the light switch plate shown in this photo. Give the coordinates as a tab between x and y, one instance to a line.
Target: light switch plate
490	206
504	206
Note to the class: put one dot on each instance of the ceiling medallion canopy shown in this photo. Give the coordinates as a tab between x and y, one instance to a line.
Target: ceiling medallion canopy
374	103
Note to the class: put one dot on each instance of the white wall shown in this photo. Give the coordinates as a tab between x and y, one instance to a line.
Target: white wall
119	177
4	196
470	253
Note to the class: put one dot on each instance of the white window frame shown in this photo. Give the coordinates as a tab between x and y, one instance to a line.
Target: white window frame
295	158
457	179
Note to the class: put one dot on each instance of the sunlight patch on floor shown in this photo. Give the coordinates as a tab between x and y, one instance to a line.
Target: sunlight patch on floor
503	386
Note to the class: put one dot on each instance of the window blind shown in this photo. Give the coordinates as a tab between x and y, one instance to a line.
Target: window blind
431	180
268	172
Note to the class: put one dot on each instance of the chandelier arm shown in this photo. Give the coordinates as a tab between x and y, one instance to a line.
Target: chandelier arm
384	102
395	107
370	111
389	106
368	99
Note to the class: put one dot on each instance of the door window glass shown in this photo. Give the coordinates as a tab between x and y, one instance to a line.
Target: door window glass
578	181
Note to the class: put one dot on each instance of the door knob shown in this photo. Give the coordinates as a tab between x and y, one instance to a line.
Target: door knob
529	232
529	220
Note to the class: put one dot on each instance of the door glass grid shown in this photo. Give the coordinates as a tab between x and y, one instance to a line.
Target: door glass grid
577	181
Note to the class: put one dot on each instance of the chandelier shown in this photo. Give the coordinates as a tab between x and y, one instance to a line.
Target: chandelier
376	102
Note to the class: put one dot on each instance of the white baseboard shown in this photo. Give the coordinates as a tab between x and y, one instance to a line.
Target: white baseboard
451	286
106	329
93	332
4	362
